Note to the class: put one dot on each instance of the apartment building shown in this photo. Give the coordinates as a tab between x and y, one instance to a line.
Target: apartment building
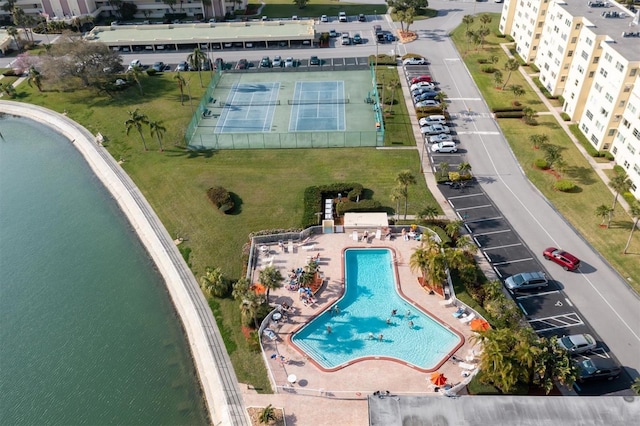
64	9
588	53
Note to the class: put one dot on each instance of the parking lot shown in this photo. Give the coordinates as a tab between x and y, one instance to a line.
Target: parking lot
549	311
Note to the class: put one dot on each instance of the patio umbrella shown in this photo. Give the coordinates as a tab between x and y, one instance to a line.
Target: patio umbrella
438	379
478	324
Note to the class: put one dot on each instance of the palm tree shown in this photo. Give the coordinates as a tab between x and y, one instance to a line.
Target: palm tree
181	83
538	140
393	86
470	36
483	33
428	213
429	259
8	90
250	306
13	32
34	78
240	289
195	59
452	228
404	179
467	20
396	195
551	154
443	169
213	283
485	19
440	97
136	74
267	414
497	78
634	210
511	65
529	115
137	120
517	91
271	279
635	386
157	129
620	182
464	168
604	212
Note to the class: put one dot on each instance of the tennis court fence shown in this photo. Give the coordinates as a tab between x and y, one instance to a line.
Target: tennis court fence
289	102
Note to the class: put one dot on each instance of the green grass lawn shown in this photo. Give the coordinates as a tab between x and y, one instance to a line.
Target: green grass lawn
315	8
268	185
397	122
577	207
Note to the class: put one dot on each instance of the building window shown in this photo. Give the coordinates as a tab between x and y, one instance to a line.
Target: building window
596	59
589	115
580	69
603	72
626	164
594	140
636	133
604	112
591	74
626	123
631	149
584	55
636	168
537	36
615	150
540	24
627	89
633	72
621	104
585	129
608	57
588	40
608	97
598	87
563	78
619	66
570	53
611	132
573	40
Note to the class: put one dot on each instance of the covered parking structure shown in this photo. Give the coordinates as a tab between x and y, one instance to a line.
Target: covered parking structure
207	36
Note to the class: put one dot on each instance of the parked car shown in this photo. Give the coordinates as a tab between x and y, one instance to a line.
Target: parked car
415	61
424	84
158	66
565	259
421	78
421	90
424	96
346	40
432	119
242	64
133	64
219	64
265	62
288	63
324	18
183	66
577	343
598	369
314	60
333	33
442	137
342	17
434	129
206	65
362	18
277	61
526	281
444	147
427	103
357	39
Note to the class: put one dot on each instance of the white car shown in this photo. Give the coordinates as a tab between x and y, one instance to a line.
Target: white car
342	17
432	119
423	84
415	61
427	103
444	147
434	129
324	18
443	137
134	63
288	63
277	61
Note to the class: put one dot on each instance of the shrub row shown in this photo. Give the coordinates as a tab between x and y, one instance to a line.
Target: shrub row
513	114
565	116
361	206
543	89
507	109
534	67
314	195
383	59
489	69
9	73
423	111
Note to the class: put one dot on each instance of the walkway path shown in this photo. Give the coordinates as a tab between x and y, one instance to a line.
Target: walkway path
216	374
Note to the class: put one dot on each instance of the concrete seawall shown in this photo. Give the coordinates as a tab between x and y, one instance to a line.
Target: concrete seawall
217	377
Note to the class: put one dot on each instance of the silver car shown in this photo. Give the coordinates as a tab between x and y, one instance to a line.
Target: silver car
577	343
526	281
443	137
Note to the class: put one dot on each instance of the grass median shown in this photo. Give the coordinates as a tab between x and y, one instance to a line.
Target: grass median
579	206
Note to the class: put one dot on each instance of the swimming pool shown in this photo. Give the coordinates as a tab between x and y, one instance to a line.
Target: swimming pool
365	311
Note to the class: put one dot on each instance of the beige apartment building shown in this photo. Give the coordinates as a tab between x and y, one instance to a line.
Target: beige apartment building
588	53
66	9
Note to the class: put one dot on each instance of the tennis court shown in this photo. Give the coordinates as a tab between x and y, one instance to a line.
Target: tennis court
287	110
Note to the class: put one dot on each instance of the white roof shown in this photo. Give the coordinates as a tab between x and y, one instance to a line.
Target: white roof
362	220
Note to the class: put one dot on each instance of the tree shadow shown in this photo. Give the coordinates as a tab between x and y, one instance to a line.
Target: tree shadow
237	204
178	151
582	175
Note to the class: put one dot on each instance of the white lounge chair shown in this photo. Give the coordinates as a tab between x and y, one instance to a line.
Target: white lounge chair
468	318
267	332
446	302
309	247
466	366
290	246
355	236
379	234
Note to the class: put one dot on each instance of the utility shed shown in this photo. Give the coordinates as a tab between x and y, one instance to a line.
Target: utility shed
365	220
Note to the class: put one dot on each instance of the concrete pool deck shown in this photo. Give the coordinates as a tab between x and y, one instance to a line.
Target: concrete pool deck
344	392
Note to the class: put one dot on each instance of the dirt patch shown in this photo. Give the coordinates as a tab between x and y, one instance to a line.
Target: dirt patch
254	415
407	36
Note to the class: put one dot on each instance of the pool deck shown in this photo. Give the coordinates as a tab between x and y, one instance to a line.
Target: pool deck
341	393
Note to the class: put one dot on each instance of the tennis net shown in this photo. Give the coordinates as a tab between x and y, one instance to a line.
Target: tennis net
256	103
317	101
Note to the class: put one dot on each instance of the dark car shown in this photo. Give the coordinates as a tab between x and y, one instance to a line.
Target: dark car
565	259
219	64
425	96
362	18
314	60
357	39
242	64
526	281
206	65
265	62
182	66
598	369
158	66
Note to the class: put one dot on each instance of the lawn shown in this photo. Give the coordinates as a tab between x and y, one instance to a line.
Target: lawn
577	207
268	185
397	122
315	8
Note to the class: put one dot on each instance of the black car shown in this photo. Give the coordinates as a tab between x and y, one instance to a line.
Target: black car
219	64
265	62
158	66
362	18
314	60
598	369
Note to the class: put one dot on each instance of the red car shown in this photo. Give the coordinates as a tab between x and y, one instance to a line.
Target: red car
568	261
420	79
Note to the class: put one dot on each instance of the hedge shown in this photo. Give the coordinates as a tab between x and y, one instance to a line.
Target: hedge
429	111
534	67
565	116
565	185
314	195
507	109
541	163
489	69
361	206
383	59
583	141
513	114
420	114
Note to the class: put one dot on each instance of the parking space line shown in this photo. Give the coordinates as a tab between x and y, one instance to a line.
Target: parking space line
528	296
513	261
474	207
464	99
484	220
478	133
568	301
465	196
493	232
523	309
570	320
502	247
497	272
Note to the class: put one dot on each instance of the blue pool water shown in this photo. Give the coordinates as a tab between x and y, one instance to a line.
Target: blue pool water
370	296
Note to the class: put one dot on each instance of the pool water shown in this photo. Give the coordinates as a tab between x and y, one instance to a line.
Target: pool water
364	310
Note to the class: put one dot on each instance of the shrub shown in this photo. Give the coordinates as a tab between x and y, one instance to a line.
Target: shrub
609	156
561	99
446	240
428	110
534	67
383	59
500	35
619	169
565	116
565	185
420	114
489	69
220	198
454	176
513	114
541	164
507	109
9	73
583	140
313	196
483	61
151	72
410	55
476	387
